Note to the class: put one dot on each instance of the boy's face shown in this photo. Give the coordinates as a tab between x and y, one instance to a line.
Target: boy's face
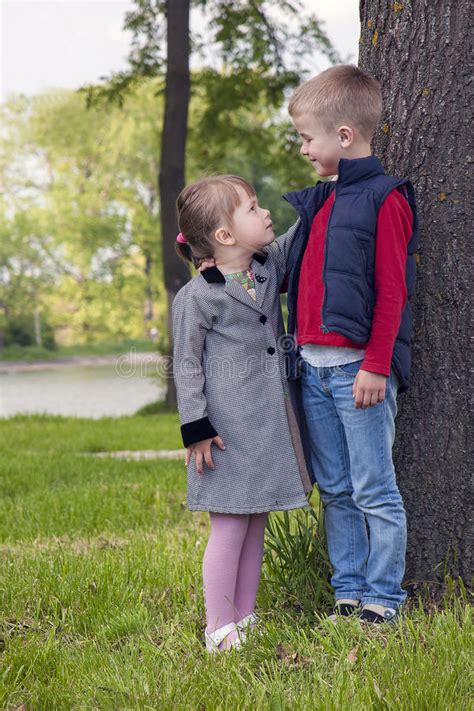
322	147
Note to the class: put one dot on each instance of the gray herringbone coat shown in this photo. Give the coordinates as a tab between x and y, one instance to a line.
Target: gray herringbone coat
230	379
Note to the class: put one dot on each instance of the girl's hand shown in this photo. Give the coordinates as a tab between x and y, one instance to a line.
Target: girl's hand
202	452
206	263
368	389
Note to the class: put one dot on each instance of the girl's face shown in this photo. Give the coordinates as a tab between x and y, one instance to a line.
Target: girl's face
251	226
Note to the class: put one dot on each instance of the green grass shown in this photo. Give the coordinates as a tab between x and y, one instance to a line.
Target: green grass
101	600
102	348
48	434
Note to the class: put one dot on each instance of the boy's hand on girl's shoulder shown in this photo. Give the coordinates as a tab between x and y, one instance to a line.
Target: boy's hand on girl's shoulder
368	389
202	452
206	263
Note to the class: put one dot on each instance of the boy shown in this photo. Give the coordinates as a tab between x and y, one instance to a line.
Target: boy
350	277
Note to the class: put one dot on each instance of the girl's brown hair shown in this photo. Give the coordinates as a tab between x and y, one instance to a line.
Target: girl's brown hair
203	207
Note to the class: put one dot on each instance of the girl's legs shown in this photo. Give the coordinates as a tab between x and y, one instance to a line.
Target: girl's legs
250	566
220	566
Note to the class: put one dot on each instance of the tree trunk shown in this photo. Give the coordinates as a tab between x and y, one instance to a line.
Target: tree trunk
4	324
37	320
173	146
148	300
3	320
37	326
419	51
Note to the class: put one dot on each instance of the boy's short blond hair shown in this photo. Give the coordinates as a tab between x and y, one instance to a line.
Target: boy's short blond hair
341	94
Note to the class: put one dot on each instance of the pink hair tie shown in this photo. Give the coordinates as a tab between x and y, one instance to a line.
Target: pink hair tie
181	238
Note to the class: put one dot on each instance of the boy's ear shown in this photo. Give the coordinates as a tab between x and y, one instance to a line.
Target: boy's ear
346	136
222	236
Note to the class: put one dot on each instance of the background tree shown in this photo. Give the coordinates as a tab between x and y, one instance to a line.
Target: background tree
419	51
173	150
258	45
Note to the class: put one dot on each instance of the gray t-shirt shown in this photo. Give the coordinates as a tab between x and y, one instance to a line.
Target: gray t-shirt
327	356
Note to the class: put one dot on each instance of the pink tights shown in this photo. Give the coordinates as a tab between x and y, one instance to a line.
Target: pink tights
231	567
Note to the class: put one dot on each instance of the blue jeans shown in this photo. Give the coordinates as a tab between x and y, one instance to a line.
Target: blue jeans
351	451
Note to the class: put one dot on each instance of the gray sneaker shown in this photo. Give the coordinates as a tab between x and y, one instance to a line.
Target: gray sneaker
389	615
344	609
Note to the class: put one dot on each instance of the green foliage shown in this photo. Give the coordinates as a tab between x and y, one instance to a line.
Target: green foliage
255	48
79	235
260	47
252	142
147	23
19	330
84	350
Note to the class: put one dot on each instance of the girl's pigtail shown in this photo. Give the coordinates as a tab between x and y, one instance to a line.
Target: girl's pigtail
184	251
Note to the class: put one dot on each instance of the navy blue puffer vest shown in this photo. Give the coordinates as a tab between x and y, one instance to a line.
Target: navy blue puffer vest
349	257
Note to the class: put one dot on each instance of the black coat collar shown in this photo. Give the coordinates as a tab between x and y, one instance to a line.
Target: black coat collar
213	275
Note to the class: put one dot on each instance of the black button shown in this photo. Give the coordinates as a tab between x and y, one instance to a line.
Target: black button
271	350
263	319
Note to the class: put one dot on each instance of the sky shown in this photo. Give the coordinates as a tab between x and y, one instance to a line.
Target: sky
68	43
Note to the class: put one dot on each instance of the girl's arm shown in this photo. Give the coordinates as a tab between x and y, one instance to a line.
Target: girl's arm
191	321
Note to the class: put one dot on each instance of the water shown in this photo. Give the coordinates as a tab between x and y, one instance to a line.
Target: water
78	391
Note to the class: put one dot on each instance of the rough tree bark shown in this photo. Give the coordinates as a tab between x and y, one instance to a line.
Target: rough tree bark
419	51
173	148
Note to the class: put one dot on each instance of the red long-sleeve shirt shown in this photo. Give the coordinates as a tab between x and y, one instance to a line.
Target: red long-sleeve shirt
394	229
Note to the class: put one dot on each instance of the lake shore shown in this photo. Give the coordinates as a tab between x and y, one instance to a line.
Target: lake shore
79	361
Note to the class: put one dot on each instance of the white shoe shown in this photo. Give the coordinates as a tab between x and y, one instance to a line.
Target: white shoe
246	624
214	639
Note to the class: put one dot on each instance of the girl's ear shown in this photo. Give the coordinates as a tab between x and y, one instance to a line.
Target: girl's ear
222	236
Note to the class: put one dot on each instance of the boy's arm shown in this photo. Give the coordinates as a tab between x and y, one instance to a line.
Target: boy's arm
280	249
394	229
191	321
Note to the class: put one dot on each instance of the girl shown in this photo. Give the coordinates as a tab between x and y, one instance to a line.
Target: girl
232	392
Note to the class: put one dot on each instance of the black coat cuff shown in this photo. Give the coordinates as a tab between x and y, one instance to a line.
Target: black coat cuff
196	431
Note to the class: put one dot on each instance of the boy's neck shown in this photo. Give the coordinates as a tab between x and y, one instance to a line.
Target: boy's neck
362	150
